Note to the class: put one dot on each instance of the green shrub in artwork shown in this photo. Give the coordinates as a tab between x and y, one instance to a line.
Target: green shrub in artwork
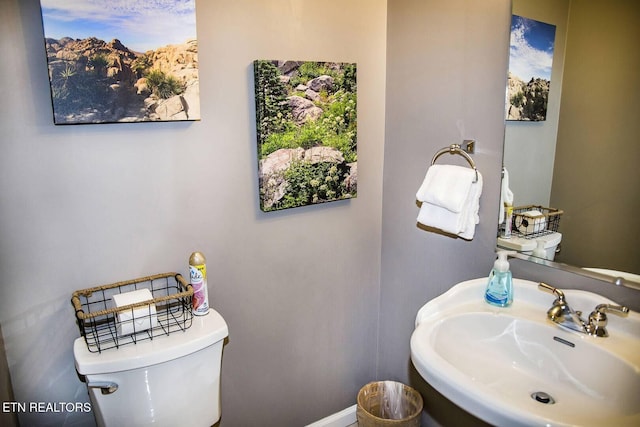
313	183
272	111
336	128
162	85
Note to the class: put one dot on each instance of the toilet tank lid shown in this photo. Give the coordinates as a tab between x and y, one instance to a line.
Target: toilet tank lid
523	244
204	331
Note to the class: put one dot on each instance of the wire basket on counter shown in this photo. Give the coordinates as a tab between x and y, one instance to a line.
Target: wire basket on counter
127	312
533	221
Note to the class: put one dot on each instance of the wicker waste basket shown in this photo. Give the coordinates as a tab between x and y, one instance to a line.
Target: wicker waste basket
388	403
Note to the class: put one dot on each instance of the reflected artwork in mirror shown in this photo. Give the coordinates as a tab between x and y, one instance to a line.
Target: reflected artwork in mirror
530	60
583	159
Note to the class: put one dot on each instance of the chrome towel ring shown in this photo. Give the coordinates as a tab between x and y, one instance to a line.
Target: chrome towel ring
456	149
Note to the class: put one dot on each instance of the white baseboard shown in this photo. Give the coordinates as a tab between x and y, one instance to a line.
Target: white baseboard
344	418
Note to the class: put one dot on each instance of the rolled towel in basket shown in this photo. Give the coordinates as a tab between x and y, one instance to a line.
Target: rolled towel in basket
136	319
531	222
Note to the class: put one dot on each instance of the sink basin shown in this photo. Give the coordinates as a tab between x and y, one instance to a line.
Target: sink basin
514	367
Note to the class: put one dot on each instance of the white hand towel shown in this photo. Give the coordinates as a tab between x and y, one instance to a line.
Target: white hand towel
463	223
446	186
441	218
472	210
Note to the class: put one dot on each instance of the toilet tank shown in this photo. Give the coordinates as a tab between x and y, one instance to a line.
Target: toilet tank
527	245
167	381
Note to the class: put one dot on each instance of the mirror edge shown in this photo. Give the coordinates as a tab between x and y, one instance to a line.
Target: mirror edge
616	281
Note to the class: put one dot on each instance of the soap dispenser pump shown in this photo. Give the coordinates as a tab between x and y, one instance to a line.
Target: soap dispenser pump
500	286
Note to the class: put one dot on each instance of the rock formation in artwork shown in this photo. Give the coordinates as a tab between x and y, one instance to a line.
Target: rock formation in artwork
527	100
274	167
93	81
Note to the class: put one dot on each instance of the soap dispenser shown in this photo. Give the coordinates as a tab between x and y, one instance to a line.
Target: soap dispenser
500	286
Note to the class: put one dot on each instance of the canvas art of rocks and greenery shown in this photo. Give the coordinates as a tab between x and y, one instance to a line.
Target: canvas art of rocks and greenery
306	118
122	61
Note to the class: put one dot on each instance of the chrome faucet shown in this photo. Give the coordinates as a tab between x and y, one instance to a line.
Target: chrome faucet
566	317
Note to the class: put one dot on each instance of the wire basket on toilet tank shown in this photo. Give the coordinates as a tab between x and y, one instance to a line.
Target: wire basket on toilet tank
533	221
130	311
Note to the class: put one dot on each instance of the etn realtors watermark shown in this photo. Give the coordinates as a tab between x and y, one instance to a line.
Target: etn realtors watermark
45	407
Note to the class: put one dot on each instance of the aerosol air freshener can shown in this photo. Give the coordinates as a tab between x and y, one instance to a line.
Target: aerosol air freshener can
508	208
198	276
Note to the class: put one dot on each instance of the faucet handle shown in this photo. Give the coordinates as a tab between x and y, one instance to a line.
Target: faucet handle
560	310
598	318
600	310
555	291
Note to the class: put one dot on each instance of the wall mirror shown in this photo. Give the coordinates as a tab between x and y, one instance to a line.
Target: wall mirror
584	159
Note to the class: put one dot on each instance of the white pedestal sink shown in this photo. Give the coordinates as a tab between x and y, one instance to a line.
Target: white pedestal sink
514	367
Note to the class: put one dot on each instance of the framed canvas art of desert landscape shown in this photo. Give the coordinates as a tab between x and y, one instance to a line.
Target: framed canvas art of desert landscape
306	118
530	61
122	61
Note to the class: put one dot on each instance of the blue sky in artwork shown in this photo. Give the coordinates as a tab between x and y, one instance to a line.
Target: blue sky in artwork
531	48
140	25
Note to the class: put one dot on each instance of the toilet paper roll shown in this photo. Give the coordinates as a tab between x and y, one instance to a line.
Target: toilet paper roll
531	222
136	319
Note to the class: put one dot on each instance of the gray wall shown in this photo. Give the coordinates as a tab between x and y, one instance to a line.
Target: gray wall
94	204
446	76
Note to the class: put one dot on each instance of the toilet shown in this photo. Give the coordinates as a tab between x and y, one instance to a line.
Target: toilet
167	381
527	245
